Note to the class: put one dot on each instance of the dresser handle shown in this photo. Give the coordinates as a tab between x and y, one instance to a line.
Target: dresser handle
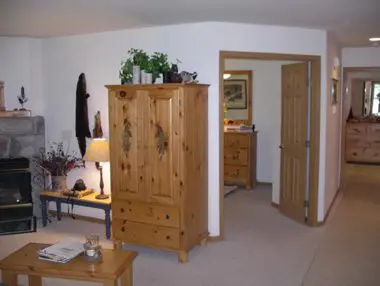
168	237
167	216
123	229
122	210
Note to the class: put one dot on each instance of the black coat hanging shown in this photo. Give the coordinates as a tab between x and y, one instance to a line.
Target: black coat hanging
82	129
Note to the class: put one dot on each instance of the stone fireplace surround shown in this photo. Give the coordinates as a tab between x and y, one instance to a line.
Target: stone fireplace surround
24	137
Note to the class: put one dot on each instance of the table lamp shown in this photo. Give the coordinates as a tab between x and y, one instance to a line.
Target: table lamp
98	151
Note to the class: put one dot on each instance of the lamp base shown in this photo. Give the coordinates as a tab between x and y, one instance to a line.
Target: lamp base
102	197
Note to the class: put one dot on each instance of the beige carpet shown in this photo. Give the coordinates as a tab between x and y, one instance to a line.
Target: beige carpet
262	248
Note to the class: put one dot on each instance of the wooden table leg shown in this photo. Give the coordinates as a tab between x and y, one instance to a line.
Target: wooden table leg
110	283
44	211
126	278
34	280
58	204
108	223
9	278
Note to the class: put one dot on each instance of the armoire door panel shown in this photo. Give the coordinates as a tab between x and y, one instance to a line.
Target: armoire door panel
124	137
162	130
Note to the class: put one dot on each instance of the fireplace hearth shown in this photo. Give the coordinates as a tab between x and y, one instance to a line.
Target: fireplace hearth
16	204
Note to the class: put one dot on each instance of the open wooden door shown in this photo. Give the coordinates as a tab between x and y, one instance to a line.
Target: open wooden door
294	143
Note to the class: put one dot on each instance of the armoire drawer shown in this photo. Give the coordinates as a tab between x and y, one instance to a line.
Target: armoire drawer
145	234
145	213
236	156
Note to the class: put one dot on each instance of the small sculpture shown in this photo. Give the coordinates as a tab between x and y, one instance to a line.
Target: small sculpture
97	132
189	77
22	98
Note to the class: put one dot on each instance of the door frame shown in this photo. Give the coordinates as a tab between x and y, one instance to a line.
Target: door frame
315	125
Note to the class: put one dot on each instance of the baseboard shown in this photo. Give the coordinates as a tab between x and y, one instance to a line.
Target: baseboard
275	205
216	238
329	209
263	183
80	217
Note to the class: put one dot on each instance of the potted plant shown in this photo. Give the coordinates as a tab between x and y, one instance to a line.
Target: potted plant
58	163
160	65
130	69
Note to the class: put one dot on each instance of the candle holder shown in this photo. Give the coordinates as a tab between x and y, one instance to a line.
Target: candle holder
92	249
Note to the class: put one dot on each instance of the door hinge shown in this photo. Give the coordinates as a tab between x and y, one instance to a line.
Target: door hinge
307	143
306	204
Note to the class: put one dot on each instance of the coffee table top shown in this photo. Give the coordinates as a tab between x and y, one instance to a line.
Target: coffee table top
26	261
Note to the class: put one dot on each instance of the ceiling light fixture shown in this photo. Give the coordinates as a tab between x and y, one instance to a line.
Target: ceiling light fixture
226	75
374	39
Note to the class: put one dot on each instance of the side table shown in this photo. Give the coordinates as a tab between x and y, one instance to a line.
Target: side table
86	201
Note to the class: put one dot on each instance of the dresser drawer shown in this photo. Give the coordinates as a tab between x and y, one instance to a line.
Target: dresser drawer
145	213
356	129
236	156
235	174
145	234
236	140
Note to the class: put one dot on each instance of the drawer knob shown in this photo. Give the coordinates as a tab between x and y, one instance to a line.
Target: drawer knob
167	216
168	237
122	210
123	229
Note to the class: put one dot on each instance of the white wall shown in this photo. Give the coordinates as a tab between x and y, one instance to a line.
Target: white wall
361	57
99	56
266	114
333	132
20	65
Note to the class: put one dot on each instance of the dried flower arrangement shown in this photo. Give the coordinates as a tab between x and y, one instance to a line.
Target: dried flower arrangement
56	161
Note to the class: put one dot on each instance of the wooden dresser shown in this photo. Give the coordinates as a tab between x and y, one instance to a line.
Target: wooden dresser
362	142
158	156
240	158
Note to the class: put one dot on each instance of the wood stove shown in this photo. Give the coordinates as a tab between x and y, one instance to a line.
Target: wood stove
16	204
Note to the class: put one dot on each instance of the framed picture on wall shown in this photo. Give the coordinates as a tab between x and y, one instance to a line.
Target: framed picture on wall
334	91
235	93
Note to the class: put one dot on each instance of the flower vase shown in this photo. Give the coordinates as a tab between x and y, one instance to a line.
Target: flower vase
58	183
136	74
148	78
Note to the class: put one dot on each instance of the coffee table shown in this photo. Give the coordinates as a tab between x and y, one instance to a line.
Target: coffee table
116	264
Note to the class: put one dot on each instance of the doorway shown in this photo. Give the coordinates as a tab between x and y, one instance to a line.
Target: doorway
361	108
312	181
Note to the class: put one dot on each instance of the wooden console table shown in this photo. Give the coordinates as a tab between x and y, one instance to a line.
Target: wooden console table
86	201
115	265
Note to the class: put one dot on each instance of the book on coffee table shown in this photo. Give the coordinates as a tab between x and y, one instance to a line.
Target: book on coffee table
62	252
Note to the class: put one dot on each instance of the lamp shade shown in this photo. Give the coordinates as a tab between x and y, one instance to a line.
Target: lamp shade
98	151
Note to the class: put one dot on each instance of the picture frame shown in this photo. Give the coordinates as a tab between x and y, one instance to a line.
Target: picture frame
334	91
235	93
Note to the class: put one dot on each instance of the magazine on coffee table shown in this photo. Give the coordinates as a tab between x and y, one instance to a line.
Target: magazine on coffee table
62	252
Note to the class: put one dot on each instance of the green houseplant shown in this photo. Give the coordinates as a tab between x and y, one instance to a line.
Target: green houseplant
136	57
159	64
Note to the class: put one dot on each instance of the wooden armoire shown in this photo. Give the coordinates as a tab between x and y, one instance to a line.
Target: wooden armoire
158	156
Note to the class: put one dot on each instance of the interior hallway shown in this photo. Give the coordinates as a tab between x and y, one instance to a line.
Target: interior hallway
262	248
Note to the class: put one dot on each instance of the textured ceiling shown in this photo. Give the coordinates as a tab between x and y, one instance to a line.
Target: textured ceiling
351	21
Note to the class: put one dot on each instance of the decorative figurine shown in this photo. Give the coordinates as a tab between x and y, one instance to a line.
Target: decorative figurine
189	77
22	98
97	132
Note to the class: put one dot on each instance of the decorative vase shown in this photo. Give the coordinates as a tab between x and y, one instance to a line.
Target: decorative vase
166	77
58	183
159	79
136	74
148	78
143	77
